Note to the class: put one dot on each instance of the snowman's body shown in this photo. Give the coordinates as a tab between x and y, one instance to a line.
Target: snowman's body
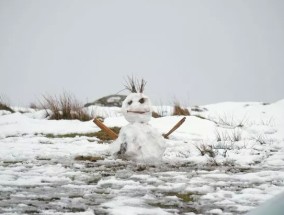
138	140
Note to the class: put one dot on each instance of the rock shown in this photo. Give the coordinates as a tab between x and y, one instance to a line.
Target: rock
108	101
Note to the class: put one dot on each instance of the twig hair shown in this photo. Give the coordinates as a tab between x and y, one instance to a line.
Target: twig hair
134	85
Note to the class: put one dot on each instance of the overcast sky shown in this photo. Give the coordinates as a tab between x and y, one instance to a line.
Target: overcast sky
197	52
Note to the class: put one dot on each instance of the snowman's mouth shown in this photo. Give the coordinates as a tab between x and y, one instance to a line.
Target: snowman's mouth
139	112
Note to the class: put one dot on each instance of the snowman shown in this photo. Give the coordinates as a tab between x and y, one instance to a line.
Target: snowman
138	140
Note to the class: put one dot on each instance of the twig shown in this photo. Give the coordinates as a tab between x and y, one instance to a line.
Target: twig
112	134
174	128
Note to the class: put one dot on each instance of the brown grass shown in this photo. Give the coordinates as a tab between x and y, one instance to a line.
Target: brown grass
156	115
180	111
88	158
99	134
4	106
66	106
34	106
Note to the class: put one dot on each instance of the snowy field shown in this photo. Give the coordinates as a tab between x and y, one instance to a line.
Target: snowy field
226	158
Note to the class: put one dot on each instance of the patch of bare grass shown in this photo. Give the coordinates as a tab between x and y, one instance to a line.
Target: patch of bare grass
88	158
102	135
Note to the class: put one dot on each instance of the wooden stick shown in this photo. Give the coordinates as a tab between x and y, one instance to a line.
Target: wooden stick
174	128
110	132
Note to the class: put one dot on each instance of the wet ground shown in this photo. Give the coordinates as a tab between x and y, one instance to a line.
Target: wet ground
48	186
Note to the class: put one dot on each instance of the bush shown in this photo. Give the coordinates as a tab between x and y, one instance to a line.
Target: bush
34	106
65	106
155	114
5	106
180	111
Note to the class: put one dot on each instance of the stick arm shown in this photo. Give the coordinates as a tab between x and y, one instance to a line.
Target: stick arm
102	126
174	128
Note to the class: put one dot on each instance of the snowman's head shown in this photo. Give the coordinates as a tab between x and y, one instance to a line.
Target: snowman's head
137	108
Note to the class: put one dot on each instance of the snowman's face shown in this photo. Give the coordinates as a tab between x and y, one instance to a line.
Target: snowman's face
137	108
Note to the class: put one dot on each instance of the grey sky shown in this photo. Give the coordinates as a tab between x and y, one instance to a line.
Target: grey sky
198	52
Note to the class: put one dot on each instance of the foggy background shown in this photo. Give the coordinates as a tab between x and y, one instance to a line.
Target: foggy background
197	52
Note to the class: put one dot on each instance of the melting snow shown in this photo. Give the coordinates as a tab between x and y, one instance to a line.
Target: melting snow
227	160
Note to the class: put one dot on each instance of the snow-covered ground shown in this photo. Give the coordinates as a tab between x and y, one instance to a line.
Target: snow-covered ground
227	159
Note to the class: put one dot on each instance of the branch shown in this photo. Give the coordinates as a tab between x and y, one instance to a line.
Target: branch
174	128
111	133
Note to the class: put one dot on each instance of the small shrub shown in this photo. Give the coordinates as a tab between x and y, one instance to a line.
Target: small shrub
230	122
268	122
65	106
206	150
212	161
232	136
229	162
236	135
155	115
198	109
200	116
5	106
34	106
179	110
262	139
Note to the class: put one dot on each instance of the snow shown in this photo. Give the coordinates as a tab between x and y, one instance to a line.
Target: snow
242	165
124	205
104	112
137	108
113	99
143	143
17	124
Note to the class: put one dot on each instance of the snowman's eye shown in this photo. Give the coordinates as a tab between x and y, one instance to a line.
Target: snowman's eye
142	100
130	102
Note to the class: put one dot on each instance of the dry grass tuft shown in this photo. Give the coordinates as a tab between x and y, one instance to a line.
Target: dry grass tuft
206	150
156	115
4	105
34	106
230	122
179	110
234	135
65	106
